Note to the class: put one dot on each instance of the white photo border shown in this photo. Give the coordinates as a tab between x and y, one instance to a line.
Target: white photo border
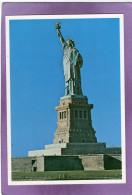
122	85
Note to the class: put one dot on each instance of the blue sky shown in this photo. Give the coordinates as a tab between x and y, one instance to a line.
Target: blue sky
37	81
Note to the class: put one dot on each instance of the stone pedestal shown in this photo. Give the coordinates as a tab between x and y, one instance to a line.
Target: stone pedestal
74	124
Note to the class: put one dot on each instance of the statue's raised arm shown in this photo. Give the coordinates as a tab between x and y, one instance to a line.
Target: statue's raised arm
63	42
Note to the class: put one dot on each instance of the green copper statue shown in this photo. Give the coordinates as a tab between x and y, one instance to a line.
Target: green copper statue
72	62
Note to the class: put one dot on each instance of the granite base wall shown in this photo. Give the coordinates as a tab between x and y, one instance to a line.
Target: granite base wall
66	163
112	162
40	164
22	164
62	163
93	162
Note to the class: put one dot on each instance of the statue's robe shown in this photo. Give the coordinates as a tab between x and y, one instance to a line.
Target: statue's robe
72	62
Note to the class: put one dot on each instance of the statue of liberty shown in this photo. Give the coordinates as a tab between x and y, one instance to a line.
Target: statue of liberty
72	62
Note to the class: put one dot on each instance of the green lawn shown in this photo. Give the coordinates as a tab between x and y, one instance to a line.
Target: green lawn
66	175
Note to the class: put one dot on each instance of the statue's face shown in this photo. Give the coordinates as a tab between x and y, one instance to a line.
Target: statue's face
69	43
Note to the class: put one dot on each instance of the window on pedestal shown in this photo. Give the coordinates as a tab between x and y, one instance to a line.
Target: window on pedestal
76	113
80	113
64	114
85	116
60	115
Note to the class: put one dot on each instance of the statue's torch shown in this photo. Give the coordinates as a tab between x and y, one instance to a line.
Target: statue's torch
58	27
